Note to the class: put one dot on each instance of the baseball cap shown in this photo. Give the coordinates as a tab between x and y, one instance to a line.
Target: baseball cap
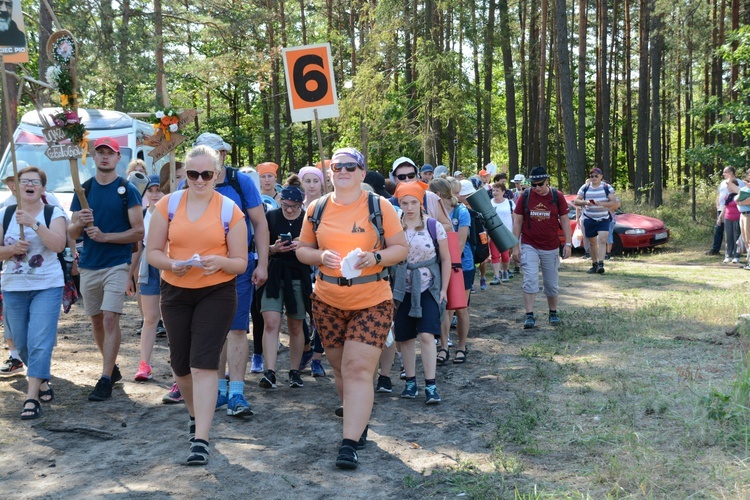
519	178
440	170
107	142
483	172
426	168
467	188
153	180
457	173
212	141
596	170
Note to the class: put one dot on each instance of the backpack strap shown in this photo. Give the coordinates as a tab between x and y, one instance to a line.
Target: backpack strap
376	218
227	209
432	229
173	202
233	180
48	209
9	211
606	190
123	196
317	214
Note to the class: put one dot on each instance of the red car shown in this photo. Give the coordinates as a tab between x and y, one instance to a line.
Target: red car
632	231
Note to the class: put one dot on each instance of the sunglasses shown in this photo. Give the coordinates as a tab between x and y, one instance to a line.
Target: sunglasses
537	184
350	167
287	206
594	175
403	177
33	182
206	175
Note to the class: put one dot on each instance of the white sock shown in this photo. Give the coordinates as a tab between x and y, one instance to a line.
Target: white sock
14	354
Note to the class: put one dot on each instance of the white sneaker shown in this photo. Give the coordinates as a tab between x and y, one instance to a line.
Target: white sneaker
735	261
726	261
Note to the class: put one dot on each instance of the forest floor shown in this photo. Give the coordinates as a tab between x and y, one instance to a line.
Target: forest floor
524	412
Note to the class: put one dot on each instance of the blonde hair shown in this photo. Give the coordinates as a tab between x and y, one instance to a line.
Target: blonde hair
135	164
198	151
442	187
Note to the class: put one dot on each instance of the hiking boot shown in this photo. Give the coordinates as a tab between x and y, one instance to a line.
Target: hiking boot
431	395
496	280
257	364
530	322
384	385
506	276
483	283
306	357
174	396
222	401
13	366
269	380
144	372
295	380
600	269
410	391
316	368
594	269
102	391
238	406
554	319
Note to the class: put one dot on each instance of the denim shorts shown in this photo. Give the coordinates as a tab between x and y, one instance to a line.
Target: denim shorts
406	328
154	281
592	227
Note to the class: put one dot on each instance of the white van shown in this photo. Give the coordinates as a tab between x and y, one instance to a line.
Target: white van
31	145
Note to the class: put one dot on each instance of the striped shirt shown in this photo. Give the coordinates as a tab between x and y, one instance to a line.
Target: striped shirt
589	192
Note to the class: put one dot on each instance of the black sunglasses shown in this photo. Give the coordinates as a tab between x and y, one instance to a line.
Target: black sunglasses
403	177
594	175
537	184
206	175
350	167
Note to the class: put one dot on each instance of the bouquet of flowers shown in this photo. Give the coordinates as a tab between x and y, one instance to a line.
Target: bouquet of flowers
167	120
63	51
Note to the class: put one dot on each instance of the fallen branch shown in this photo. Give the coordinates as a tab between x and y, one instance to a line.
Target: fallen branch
90	431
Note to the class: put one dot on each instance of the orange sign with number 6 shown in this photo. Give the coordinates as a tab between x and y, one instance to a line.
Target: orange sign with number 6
310	82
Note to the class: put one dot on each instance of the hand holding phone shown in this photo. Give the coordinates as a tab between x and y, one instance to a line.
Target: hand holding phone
593	202
286	238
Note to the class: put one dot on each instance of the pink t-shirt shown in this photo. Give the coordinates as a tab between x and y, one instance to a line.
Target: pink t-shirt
732	212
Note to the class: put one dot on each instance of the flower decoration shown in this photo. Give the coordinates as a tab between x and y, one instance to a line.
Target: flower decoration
64	49
167	120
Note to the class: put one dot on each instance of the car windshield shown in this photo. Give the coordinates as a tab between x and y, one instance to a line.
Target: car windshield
58	172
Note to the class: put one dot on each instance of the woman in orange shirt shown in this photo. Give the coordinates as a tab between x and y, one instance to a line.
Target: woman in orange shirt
353	316
198	288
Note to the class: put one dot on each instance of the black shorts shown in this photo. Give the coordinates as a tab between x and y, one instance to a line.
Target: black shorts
406	328
197	322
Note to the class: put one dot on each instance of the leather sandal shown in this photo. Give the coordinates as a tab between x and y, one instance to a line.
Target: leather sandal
462	359
35	412
48	395
444	359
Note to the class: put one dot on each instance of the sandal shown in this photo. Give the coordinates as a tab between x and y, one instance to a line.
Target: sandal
444	359
460	360
48	395
31	413
198	453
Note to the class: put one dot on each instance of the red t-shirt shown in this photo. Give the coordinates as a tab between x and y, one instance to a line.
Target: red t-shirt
543	215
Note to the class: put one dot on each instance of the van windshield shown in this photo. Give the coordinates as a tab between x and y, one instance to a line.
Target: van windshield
58	172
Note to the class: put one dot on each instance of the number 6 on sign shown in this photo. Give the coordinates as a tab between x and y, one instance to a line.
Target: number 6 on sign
310	82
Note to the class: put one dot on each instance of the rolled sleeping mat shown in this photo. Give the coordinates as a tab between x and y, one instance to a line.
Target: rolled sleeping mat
139	180
498	233
456	290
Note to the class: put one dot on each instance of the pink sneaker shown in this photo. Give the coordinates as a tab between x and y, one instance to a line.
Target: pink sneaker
143	373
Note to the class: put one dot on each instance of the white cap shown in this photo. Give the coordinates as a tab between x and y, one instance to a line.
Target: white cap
212	141
519	178
467	188
457	173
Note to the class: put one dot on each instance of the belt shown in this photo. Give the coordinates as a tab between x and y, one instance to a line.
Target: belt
359	280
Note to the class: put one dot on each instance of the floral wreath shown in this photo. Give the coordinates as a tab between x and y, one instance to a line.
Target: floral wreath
63	50
167	120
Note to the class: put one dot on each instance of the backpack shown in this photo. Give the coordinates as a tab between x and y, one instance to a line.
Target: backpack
123	196
376	216
527	193
432	229
227	208
606	190
233	181
48	210
478	240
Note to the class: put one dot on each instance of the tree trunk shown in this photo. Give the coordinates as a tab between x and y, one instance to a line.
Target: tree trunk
46	28
603	80
510	88
162	95
656	62
573	158
582	42
641	163
489	50
542	111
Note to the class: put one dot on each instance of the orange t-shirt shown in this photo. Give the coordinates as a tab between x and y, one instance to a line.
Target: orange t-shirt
344	228
204	236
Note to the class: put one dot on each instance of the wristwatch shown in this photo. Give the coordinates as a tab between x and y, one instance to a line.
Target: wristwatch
378	257
568	244
35	227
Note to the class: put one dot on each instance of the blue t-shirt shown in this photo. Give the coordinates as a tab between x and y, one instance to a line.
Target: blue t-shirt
250	195
110	217
460	217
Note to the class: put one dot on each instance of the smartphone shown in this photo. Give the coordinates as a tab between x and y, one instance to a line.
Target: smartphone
593	202
286	237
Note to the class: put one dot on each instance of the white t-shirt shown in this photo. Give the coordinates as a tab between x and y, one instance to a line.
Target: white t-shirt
39	268
504	210
421	248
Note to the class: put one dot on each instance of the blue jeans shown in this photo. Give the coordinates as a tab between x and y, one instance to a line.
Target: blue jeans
32	317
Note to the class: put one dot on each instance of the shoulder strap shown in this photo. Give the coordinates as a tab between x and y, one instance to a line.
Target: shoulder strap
317	214
432	228
227	209
48	209
585	190
233	180
173	202
123	183
554	196
376	218
9	211
87	186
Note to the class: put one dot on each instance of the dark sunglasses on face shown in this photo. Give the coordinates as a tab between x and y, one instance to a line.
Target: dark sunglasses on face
593	175
206	175
33	182
403	177
350	167
537	184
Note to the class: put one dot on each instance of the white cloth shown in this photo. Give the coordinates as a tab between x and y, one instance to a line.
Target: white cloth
39	268
504	210
723	193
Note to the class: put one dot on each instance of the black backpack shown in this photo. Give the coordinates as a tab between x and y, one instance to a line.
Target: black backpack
527	193
478	241
48	210
376	216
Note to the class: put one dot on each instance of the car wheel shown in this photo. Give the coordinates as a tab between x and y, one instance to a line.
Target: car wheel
617	248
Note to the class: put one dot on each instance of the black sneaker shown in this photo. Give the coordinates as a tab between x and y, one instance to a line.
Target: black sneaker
594	269
160	330
116	375
295	380
269	380
339	412
384	384
13	366
102	391
363	439
347	458
607	256
600	269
